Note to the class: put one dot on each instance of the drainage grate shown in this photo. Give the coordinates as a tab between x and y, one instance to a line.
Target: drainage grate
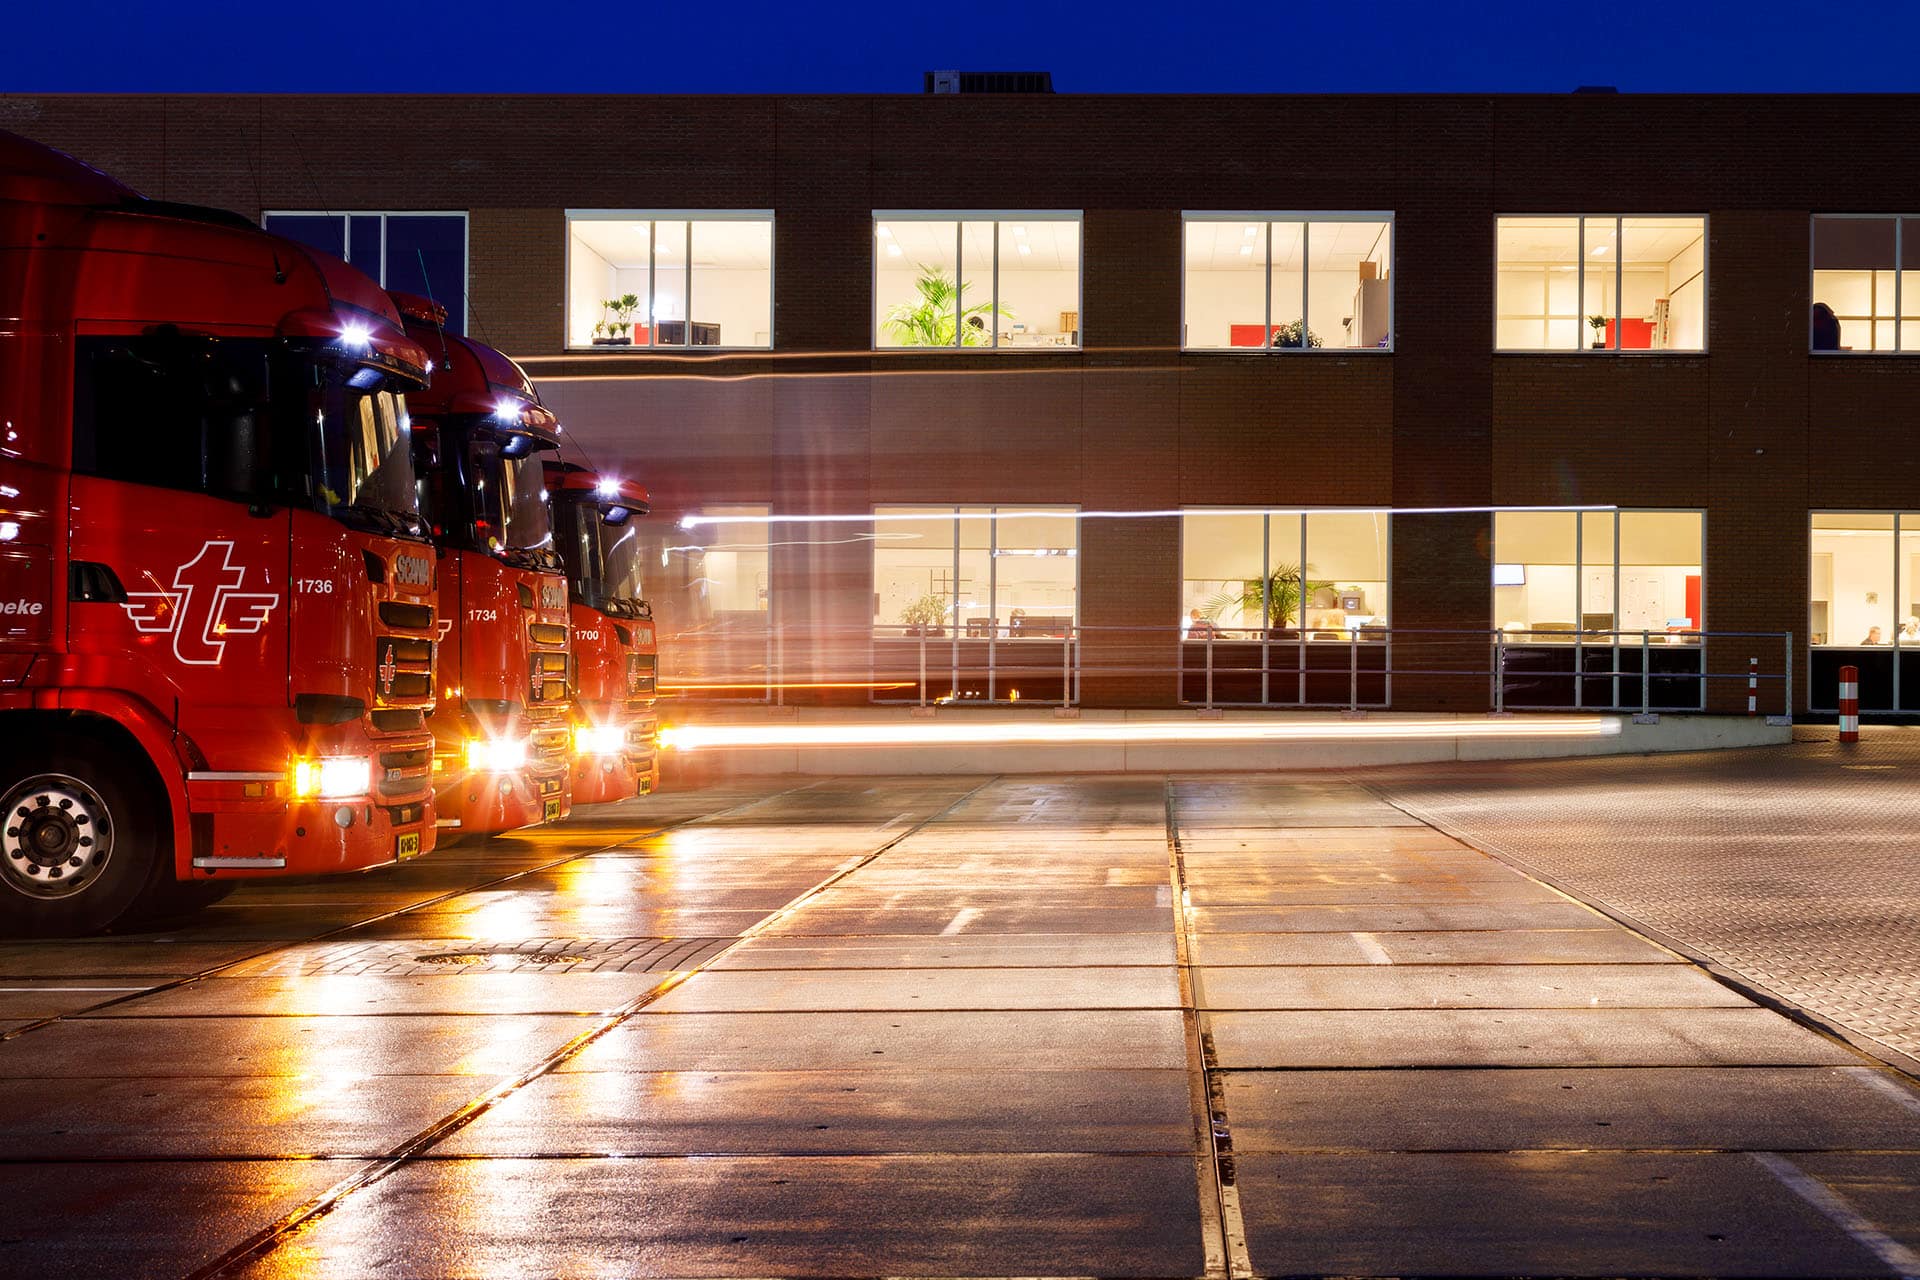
464	955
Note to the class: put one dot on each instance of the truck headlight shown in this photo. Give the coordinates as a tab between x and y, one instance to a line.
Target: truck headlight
496	755
599	739
332	777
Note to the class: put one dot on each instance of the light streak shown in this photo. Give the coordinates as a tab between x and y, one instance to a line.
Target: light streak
694	737
792	684
868	517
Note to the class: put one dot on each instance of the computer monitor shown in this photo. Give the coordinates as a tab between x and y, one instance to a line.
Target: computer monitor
1509	575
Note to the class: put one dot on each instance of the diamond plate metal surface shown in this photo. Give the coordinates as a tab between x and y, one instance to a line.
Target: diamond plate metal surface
415	957
1797	868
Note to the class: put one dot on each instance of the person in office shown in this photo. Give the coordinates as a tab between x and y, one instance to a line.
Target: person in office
1910	630
1826	328
1873	636
1195	627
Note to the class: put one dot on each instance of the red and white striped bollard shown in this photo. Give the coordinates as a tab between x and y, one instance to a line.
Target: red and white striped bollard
1753	686
1849	704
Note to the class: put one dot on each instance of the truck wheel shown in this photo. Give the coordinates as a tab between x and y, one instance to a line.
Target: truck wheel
82	839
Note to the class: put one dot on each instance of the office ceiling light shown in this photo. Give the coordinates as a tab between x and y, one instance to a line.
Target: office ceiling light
893	251
1025	250
1019	231
1251	232
884	231
1599	250
1246	251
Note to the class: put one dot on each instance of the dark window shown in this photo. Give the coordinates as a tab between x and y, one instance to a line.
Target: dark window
427	255
419	253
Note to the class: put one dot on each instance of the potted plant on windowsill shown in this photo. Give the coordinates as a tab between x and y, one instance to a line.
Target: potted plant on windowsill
616	320
1599	326
1292	334
930	322
1282	594
923	617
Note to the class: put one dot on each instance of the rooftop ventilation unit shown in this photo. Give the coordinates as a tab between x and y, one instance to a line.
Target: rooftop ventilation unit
989	82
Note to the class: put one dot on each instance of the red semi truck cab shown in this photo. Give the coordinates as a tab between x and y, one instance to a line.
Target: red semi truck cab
217	602
503	727
614	653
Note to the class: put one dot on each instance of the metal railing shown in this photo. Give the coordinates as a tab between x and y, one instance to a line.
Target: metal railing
1051	661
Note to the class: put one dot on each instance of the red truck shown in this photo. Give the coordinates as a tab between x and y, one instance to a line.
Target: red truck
614	655
503	727
217	605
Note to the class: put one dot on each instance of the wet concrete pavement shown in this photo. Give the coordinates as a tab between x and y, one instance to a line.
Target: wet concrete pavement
1094	1026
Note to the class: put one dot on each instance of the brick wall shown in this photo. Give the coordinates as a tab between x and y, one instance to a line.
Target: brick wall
1755	432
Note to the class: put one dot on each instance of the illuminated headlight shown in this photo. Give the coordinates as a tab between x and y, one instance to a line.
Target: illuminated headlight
332	777
356	336
496	755
599	740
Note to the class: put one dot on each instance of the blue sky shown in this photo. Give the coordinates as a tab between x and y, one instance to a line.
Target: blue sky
722	46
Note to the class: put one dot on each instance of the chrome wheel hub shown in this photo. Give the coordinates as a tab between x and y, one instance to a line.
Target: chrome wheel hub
57	837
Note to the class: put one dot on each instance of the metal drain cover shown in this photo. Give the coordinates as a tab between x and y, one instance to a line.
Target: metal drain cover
423	956
487	957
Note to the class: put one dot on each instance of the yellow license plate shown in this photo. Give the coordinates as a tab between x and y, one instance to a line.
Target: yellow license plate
553	809
408	845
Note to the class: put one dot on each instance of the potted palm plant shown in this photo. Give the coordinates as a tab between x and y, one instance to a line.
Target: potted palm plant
1282	593
931	321
616	320
1599	325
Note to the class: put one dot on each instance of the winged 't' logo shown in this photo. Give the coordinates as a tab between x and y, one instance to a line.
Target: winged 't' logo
205	606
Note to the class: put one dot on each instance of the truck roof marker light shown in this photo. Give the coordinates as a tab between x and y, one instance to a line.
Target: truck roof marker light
357	336
9	530
507	411
608	487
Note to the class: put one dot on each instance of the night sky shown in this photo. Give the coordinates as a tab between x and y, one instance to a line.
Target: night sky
745	46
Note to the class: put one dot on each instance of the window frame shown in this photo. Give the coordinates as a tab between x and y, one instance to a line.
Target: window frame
960	217
688	216
1301	640
1900	348
1617	636
1894	647
1580	287
1267	218
380	276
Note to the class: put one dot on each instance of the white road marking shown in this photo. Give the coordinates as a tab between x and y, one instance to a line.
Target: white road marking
1375	953
1892	1088
1904	1261
961	919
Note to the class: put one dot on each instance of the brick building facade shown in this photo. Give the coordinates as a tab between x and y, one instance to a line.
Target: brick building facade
1757	432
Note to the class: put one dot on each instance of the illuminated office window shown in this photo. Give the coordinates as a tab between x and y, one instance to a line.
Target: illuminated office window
647	281
1611	283
1866	284
976	571
1260	282
953	280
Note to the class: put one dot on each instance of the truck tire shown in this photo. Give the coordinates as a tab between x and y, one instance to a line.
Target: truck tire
84	837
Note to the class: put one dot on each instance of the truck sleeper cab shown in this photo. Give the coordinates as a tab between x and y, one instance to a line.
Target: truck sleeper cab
614	655
206	497
502	727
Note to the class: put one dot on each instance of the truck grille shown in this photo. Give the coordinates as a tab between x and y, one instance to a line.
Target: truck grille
641	671
403	669
404	773
547	634
407	617
547	748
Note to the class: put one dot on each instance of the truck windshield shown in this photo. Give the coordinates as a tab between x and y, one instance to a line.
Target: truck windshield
246	418
363	447
603	560
509	503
